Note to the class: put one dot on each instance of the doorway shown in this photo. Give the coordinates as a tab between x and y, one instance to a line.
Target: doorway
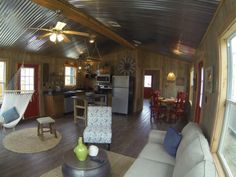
28	80
151	82
200	86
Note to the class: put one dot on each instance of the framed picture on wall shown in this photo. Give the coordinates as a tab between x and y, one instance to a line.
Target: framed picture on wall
209	79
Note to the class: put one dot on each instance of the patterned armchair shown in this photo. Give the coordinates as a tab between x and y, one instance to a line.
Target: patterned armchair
98	128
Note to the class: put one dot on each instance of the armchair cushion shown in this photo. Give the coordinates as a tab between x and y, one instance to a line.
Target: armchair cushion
97	135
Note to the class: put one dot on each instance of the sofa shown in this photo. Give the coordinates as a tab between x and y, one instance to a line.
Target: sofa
193	157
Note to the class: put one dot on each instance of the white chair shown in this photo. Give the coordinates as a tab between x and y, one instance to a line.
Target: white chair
17	99
98	128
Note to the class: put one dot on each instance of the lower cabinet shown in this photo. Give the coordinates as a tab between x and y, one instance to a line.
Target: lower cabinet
54	105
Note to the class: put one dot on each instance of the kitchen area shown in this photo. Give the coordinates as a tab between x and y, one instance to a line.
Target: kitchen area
110	90
97	87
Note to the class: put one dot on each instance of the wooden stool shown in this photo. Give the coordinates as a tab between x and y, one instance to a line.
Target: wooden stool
46	124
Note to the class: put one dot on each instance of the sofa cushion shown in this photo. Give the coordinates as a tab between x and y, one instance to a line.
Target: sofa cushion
203	169
191	126
157	136
156	152
10	115
194	153
143	167
189	134
171	141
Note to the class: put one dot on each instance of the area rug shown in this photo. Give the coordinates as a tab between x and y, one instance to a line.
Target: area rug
119	165
27	141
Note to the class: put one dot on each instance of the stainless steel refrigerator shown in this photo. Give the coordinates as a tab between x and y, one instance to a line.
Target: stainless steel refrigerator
120	94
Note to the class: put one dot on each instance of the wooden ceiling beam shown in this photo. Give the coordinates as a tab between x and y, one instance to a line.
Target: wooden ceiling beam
70	12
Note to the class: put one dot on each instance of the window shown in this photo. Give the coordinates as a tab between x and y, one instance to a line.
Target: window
227	148
201	87
148	81
70	76
2	78
191	85
27	78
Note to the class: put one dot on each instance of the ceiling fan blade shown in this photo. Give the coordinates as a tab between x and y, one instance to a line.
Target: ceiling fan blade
77	33
41	29
43	36
59	26
66	39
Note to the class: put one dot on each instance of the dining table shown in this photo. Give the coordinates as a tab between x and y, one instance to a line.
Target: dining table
170	103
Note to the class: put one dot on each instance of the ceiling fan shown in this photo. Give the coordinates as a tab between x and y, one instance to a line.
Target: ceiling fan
57	34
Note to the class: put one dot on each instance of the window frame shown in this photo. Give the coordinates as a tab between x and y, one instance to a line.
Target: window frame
27	76
4	77
151	80
228	101
74	76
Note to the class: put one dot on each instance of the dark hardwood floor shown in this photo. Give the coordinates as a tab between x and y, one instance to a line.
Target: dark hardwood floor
130	134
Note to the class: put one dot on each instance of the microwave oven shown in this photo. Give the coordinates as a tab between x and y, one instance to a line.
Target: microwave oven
103	78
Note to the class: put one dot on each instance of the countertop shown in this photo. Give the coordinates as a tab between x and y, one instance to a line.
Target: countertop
74	92
70	92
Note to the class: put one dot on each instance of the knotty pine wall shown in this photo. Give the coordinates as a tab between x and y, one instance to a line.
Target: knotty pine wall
149	60
209	53
143	60
56	65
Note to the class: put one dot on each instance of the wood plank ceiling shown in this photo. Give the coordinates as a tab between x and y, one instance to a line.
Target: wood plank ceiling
170	27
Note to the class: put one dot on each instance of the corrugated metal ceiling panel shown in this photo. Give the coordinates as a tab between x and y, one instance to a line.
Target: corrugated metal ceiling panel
159	25
162	23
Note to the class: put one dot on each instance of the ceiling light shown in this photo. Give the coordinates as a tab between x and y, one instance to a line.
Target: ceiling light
171	76
177	52
137	43
91	40
60	37
53	37
114	24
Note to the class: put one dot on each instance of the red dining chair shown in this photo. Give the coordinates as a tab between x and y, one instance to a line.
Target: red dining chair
178	110
182	96
158	111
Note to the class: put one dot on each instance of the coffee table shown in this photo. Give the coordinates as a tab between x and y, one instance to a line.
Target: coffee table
98	166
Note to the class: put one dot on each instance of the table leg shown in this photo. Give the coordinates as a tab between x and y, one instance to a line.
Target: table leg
41	128
38	129
55	131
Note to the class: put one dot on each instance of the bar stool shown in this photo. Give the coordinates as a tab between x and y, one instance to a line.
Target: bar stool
80	109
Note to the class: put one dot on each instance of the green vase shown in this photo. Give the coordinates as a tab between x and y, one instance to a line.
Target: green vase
81	151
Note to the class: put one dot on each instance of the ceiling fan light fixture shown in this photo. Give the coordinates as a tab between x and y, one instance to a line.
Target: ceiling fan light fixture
91	40
60	37
53	37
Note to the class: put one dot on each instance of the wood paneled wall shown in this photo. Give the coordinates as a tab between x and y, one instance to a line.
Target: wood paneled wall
149	60
56	68
143	60
209	52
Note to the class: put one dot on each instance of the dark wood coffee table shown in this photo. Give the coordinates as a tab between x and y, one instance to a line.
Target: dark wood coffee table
98	166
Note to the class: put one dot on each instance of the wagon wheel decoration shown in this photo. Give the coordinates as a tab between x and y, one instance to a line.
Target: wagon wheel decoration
126	66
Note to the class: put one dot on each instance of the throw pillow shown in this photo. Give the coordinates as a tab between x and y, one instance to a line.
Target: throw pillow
10	115
171	141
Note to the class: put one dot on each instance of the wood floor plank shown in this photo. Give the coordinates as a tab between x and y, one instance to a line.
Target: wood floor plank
130	134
